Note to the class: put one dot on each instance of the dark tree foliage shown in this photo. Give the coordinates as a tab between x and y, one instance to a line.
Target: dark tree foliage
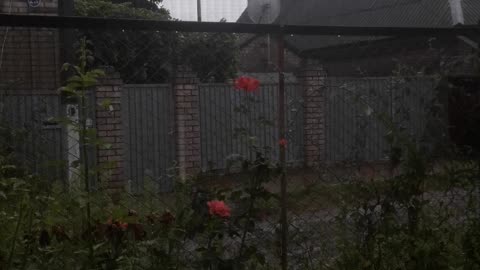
464	113
211	55
151	56
146	4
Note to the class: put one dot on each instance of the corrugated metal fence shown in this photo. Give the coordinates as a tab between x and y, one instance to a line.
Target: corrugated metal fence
148	120
353	132
226	114
38	139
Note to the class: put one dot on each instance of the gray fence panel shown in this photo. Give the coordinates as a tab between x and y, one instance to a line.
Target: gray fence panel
149	126
39	141
412	99
223	122
353	128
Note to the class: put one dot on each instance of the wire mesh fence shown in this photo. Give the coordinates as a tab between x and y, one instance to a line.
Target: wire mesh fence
229	149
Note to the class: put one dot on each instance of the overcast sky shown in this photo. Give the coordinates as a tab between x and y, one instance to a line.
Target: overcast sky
212	10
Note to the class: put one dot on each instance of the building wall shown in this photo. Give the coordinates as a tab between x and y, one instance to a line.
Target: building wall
30	57
46	7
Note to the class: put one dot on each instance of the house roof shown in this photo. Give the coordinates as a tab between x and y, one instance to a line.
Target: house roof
405	13
471	9
244	18
368	13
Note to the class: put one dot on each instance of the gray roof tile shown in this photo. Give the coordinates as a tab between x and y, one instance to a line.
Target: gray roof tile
369	13
471	10
406	13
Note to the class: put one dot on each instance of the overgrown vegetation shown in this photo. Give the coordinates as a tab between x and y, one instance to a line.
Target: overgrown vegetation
405	225
49	225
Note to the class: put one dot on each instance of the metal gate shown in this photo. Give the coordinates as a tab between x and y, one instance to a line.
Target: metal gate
149	127
222	120
353	130
30	123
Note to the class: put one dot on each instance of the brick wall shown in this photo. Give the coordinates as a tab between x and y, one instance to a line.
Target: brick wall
187	121
109	127
110	131
31	56
312	77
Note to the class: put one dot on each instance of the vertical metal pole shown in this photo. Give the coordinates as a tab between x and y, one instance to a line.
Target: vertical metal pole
66	53
67	36
477	189
199	10
281	135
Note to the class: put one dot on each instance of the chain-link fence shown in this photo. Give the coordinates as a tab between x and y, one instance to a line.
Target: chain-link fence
179	145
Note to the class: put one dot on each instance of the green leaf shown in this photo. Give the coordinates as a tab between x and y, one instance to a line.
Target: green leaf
68	90
368	110
98	246
75	79
65	66
107	146
8	167
105	104
97	73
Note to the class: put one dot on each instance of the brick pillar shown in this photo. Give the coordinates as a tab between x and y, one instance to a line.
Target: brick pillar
108	121
187	121
312	77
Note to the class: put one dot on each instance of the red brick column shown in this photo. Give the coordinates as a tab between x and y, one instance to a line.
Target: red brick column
312	77
110	155
187	121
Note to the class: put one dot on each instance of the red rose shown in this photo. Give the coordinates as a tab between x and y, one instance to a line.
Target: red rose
115	225
218	208
151	218
59	232
122	225
167	218
283	142
247	84
138	232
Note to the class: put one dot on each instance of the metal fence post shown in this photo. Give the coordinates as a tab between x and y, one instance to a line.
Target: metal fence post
67	36
282	157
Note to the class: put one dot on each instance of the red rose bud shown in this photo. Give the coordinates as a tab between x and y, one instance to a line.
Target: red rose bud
167	218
